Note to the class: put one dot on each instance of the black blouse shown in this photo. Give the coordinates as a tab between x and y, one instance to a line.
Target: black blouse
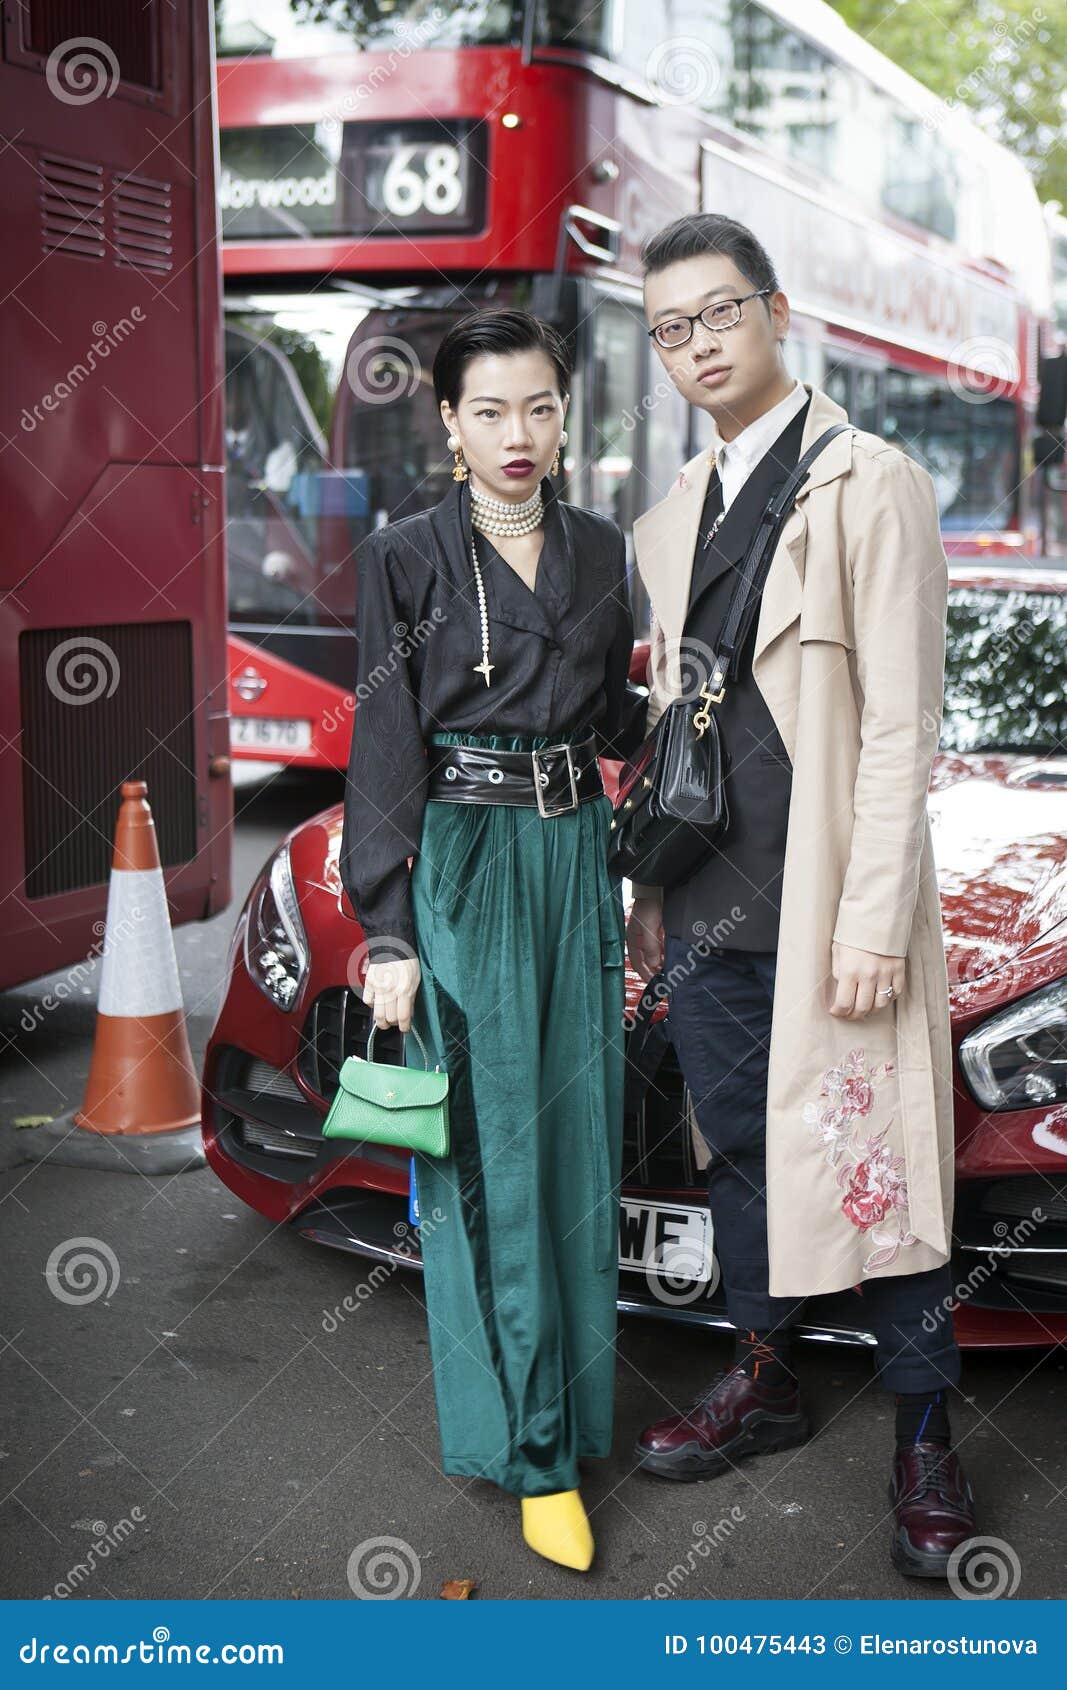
561	650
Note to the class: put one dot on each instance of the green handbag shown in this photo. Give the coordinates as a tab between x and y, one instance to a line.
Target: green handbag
390	1104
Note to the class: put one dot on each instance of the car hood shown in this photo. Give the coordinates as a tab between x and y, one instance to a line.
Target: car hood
999	825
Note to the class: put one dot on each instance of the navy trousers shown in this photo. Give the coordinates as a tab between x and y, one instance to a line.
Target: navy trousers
720	1025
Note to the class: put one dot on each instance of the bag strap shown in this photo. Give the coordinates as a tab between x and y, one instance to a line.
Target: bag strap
403	1036
754	566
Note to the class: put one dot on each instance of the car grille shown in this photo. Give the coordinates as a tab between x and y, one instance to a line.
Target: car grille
337	1026
1023	1195
658	1152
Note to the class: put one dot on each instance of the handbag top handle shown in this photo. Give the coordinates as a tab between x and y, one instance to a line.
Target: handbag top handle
403	1036
756	562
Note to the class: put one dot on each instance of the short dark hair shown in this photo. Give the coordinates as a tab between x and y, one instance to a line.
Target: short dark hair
480	332
707	231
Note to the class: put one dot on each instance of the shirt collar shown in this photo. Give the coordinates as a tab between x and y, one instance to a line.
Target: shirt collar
750	445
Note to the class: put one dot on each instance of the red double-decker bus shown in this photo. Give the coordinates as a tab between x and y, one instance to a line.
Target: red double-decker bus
387	168
113	573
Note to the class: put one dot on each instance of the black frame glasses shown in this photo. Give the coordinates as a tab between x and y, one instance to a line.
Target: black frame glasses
715	305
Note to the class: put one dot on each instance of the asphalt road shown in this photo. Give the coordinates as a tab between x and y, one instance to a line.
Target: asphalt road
206	1429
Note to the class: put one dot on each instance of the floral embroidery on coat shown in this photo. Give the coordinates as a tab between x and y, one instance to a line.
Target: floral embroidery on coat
872	1177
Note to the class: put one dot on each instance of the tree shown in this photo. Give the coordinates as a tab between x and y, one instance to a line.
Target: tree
1006	63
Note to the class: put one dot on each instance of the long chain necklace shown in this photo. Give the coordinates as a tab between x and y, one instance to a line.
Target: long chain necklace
495	516
484	666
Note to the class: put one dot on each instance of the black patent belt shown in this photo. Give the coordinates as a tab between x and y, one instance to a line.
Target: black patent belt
557	778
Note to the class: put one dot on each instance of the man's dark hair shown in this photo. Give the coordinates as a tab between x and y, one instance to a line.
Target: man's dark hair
495	331
706	231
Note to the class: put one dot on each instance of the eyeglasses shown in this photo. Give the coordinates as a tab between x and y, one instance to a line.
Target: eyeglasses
724	314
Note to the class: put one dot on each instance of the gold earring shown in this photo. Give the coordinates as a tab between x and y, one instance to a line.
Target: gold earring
459	468
555	461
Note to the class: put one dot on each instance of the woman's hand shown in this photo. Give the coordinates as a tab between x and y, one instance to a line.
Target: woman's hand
644	936
861	978
389	989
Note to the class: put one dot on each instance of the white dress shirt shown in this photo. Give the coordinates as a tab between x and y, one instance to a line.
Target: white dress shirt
736	459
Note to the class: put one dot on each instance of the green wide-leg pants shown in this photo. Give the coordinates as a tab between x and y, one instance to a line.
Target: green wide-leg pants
521	943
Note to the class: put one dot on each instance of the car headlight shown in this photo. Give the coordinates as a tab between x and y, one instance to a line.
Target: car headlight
1018	1058
276	947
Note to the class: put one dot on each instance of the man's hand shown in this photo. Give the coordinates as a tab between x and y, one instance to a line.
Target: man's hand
861	978
644	936
389	989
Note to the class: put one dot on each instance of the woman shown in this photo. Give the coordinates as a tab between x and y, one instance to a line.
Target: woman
495	638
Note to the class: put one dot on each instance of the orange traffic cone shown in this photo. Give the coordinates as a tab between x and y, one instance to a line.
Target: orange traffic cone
142	1104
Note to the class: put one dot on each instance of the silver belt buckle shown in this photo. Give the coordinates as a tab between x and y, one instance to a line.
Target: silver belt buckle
541	781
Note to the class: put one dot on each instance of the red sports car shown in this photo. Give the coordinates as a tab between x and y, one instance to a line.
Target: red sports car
998	804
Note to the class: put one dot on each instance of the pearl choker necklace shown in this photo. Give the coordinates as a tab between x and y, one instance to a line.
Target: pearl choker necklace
495	516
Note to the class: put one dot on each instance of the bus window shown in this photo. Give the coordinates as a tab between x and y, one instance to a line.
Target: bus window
617	396
969	446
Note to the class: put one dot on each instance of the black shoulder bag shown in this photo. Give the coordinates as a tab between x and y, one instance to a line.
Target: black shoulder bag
672	803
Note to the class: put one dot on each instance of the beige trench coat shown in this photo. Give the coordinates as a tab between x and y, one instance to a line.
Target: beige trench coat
849	656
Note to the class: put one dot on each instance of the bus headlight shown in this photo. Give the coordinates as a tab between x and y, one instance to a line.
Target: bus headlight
276	947
1018	1058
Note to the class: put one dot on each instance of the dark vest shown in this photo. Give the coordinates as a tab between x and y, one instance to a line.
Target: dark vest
733	901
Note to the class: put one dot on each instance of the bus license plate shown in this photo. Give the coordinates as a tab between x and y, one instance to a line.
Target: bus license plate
667	1239
271	733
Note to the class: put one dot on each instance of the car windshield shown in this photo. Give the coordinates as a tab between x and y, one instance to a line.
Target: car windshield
1006	670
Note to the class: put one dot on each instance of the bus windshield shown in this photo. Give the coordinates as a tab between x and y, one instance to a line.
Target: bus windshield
285	29
332	429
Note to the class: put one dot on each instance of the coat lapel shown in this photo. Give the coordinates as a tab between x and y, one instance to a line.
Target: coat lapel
507	598
665	537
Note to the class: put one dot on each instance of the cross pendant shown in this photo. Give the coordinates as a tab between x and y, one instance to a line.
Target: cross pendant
483	668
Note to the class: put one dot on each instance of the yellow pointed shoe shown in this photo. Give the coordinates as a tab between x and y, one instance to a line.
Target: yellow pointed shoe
557	1527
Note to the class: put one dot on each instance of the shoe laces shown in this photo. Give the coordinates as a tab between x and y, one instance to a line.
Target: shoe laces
709	1390
933	1471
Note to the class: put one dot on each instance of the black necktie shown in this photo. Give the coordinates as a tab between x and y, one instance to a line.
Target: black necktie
713	509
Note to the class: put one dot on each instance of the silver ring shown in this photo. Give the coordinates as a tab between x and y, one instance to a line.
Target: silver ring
451	773
496	776
884	990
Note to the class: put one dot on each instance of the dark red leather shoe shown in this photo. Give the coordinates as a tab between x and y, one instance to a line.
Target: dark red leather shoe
933	1509
734	1417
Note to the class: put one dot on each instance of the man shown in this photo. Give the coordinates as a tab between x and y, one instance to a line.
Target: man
804	961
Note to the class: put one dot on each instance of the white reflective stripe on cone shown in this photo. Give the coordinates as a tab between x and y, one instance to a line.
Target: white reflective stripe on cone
139	975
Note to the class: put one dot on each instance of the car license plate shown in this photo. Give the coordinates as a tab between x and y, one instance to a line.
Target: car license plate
270	733
670	1240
